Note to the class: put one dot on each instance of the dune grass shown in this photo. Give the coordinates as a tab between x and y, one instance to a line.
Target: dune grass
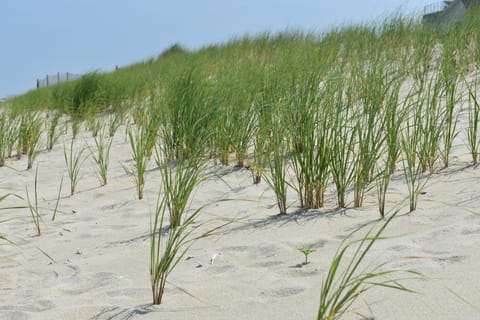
4	129
73	160
339	94
347	279
276	176
32	205
51	124
328	115
473	118
101	156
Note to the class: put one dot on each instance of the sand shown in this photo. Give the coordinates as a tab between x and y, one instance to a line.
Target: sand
99	244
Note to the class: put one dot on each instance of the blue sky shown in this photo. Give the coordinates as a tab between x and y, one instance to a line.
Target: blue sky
40	37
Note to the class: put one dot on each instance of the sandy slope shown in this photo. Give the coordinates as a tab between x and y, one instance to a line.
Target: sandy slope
100	245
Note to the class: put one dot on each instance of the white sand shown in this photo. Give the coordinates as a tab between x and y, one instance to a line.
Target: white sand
100	244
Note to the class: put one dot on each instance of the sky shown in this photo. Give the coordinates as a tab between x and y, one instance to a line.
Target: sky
40	37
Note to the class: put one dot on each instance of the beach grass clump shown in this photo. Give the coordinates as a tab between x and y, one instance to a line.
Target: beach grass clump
370	125
138	144
343	157
259	156
27	128
101	156
393	118
4	130
309	138
115	120
222	143
73	160
85	95
412	167
75	125
24	131
94	124
179	179
179	175
450	69
473	118
10	133
343	98
32	205
266	103
186	120
239	106
34	141
347	279
245	123
382	181
51	124
276	176
429	118
168	245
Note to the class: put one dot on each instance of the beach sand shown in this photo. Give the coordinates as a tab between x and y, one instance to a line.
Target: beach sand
98	247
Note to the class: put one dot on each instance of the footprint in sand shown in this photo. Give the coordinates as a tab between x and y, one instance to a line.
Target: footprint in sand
96	282
451	259
36	306
266	264
282	292
14	315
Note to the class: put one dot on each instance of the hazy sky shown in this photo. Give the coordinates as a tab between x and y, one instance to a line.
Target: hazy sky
39	37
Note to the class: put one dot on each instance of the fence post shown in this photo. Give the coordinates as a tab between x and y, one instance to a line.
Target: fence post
46	80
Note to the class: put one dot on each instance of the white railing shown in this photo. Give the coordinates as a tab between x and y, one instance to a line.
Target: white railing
434	7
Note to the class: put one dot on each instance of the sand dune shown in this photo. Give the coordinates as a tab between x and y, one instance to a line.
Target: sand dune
100	246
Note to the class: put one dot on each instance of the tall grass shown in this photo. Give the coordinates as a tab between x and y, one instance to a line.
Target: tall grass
138	146
28	129
342	97
309	138
347	280
51	124
412	167
473	118
94	124
450	75
186	121
342	155
34	142
32	205
168	246
428	118
276	176
333	110
370	126
393	118
101	156
266	103
115	120
3	138
73	160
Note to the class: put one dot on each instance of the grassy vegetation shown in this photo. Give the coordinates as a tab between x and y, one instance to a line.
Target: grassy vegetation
333	113
347	279
73	160
341	115
101	156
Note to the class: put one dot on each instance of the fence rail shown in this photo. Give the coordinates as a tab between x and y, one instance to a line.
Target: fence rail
51	80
